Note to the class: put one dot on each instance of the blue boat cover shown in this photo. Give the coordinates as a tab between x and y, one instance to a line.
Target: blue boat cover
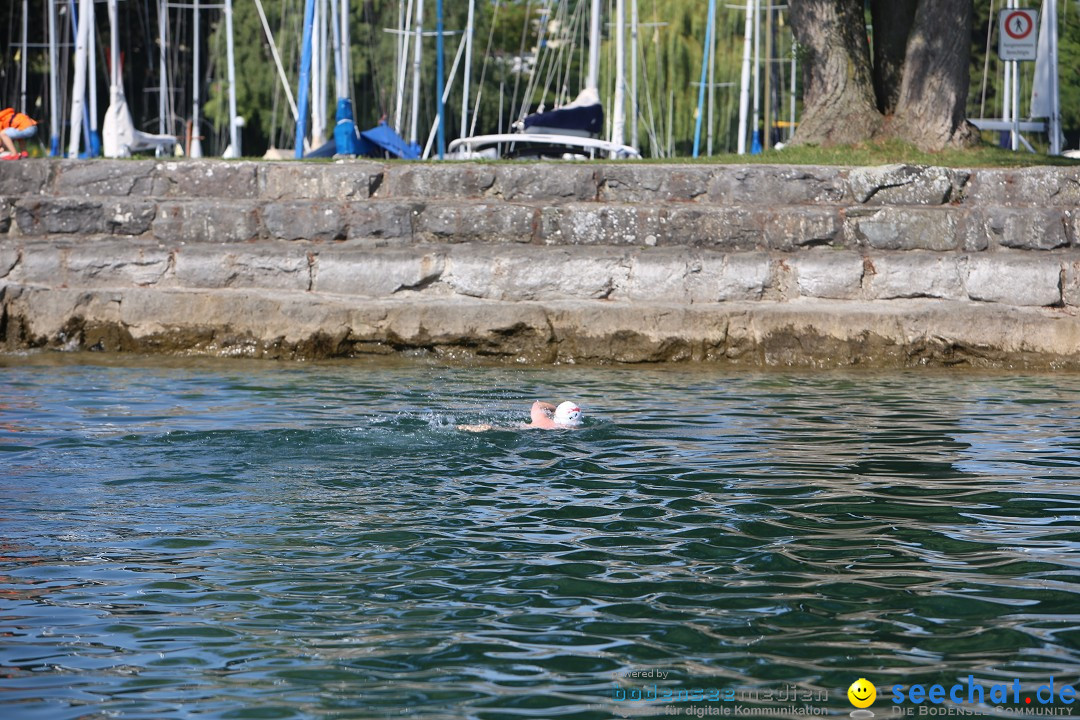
382	137
587	118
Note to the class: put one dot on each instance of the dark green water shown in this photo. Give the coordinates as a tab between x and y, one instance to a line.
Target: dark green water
247	540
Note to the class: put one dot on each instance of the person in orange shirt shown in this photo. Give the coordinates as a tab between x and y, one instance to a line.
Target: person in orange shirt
15	127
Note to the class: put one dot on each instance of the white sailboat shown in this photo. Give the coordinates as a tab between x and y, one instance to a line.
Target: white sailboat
569	132
119	136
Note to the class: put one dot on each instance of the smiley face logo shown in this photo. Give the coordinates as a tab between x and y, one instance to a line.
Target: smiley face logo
862	693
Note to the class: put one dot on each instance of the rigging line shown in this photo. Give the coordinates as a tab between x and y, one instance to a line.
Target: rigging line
483	67
986	60
650	125
520	57
576	22
545	59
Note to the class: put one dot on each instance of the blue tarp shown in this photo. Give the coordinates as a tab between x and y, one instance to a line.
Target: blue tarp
382	137
373	143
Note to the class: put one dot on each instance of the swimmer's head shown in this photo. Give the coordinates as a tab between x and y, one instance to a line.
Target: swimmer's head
568	413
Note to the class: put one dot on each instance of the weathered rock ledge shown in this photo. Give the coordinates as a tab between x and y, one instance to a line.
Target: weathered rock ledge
753	265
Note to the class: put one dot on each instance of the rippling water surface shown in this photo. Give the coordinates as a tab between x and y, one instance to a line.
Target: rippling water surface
250	540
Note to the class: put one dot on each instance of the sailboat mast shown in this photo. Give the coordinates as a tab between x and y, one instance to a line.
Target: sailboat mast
54	90
195	149
468	70
404	22
78	92
163	41
304	86
91	47
417	50
633	74
618	122
704	76
594	46
22	57
234	129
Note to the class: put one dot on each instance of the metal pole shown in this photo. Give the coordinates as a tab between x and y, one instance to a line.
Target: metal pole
78	91
163	100
22	58
439	79
744	85
399	107
704	75
305	78
54	90
417	50
1016	106
633	74
195	148
768	91
594	46
618	122
234	131
468	70
1055	98
91	48
755	145
712	88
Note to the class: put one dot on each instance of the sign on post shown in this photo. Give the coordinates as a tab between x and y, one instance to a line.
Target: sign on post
1017	38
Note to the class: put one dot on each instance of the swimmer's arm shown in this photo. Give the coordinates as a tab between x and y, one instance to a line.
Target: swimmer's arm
540	414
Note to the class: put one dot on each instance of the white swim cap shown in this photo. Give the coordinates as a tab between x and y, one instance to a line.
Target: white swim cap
568	414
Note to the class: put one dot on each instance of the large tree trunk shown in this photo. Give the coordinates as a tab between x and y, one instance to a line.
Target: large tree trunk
892	21
931	109
839	107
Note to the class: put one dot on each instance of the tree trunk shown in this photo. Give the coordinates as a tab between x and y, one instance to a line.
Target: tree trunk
931	109
838	96
892	22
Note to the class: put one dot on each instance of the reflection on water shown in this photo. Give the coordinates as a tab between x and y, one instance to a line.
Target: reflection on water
263	540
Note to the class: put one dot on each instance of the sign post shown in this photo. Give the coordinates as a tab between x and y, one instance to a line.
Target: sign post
1017	42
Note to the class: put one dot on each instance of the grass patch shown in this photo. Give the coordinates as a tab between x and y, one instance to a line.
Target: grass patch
893	151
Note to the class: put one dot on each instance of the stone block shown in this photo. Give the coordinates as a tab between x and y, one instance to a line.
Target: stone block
1026	228
788	228
441	181
628	183
1014	279
304	220
727	228
114	264
661	274
776	185
376	273
47	216
206	179
906	228
906	185
343	180
122	178
746	276
1070	286
535	273
379	220
1035	186
26	178
828	274
599	224
476	222
6	209
9	258
272	266
128	217
206	221
917	275
41	264
570	182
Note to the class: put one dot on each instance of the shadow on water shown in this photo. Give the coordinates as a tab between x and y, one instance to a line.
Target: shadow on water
262	540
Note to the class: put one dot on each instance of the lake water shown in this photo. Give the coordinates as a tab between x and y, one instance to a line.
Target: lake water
186	539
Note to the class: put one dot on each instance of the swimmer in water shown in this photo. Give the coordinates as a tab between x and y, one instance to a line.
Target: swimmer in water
543	415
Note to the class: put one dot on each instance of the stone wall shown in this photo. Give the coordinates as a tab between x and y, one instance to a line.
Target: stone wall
894	265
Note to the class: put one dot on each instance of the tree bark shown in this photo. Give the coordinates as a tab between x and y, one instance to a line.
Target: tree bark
838	96
931	108
892	22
